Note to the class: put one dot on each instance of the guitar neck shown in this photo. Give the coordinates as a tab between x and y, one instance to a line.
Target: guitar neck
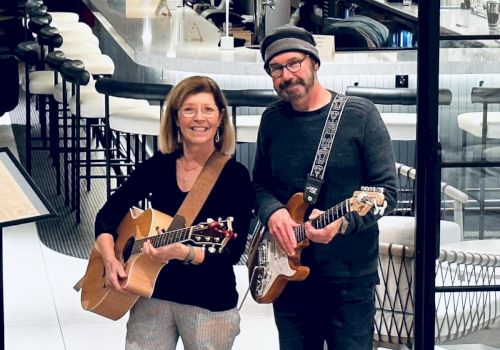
163	239
324	219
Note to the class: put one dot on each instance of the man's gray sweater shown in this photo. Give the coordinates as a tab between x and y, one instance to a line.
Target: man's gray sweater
361	155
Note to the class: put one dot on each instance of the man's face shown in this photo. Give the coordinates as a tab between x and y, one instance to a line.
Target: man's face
293	86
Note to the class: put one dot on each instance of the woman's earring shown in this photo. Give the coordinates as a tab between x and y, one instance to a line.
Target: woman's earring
179	136
217	136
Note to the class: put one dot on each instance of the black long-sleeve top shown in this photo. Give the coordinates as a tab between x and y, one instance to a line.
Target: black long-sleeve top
361	155
211	284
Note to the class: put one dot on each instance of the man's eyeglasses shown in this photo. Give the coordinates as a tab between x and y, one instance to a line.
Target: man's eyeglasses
190	111
293	66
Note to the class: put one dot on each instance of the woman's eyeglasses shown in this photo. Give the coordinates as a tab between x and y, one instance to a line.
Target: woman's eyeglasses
293	66
190	111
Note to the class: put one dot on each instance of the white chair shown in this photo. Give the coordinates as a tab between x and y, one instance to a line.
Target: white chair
460	263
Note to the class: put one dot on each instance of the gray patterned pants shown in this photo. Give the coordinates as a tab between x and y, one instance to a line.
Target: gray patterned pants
157	324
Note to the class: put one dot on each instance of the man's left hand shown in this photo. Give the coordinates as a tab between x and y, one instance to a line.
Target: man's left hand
323	235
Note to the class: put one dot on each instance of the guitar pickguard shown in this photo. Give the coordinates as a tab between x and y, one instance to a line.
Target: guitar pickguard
271	263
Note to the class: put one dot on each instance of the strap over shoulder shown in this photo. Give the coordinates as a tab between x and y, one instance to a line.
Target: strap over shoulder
198	194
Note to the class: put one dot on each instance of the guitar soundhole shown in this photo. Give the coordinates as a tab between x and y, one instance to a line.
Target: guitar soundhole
127	249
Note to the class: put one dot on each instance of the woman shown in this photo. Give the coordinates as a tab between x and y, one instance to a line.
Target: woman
195	294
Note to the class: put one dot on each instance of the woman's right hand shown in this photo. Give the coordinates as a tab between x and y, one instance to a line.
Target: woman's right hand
115	273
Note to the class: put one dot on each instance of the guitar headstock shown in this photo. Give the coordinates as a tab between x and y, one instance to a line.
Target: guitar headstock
213	235
368	198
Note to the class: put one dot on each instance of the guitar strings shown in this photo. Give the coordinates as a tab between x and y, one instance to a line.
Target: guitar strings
166	237
324	219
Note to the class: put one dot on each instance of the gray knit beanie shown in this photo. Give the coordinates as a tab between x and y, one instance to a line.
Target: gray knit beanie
288	38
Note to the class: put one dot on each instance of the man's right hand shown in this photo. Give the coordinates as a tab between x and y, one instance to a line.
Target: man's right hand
281	226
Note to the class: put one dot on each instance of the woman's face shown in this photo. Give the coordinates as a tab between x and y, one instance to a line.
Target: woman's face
198	118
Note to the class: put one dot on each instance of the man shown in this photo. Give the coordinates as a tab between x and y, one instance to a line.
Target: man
336	302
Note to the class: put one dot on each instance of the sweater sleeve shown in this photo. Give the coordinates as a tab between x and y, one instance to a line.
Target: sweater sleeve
379	167
265	202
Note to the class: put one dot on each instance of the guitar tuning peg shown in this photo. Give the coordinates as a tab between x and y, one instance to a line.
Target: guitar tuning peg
230	218
211	249
210	220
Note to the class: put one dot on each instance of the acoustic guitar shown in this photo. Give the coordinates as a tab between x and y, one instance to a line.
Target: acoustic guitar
135	229
270	268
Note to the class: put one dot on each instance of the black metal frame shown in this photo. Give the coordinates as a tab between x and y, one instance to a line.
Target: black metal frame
428	166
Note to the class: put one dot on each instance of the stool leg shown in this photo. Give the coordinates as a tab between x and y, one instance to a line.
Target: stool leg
42	118
482	180
76	175
88	141
74	149
28	122
66	149
482	198
462	183
107	140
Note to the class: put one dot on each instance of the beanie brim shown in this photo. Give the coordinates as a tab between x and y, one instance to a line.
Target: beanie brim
289	45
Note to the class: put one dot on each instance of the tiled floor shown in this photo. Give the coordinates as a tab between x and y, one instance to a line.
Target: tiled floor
43	312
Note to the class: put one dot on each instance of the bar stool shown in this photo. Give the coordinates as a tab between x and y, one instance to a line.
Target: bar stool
97	65
48	37
35	8
86	108
483	126
38	83
130	129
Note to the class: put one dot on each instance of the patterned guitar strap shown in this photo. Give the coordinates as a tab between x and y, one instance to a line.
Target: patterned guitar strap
314	179
317	174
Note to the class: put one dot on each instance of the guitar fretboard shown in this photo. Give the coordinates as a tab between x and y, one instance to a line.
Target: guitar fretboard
163	239
324	219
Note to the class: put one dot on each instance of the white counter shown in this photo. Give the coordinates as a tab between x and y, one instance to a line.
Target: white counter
185	44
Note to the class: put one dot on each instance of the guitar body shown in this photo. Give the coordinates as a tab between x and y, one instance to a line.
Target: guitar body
142	271
269	267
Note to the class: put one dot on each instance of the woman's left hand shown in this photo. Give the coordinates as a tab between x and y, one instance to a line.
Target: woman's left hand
322	235
172	251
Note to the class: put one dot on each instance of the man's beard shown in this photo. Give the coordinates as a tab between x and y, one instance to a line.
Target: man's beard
293	96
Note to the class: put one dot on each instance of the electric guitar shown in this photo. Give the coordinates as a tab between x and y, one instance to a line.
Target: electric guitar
270	268
135	229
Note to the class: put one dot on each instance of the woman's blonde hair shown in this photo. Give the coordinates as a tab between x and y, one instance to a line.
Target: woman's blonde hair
193	85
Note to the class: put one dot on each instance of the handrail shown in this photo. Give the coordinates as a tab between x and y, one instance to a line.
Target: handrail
485	95
128	89
250	97
394	96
